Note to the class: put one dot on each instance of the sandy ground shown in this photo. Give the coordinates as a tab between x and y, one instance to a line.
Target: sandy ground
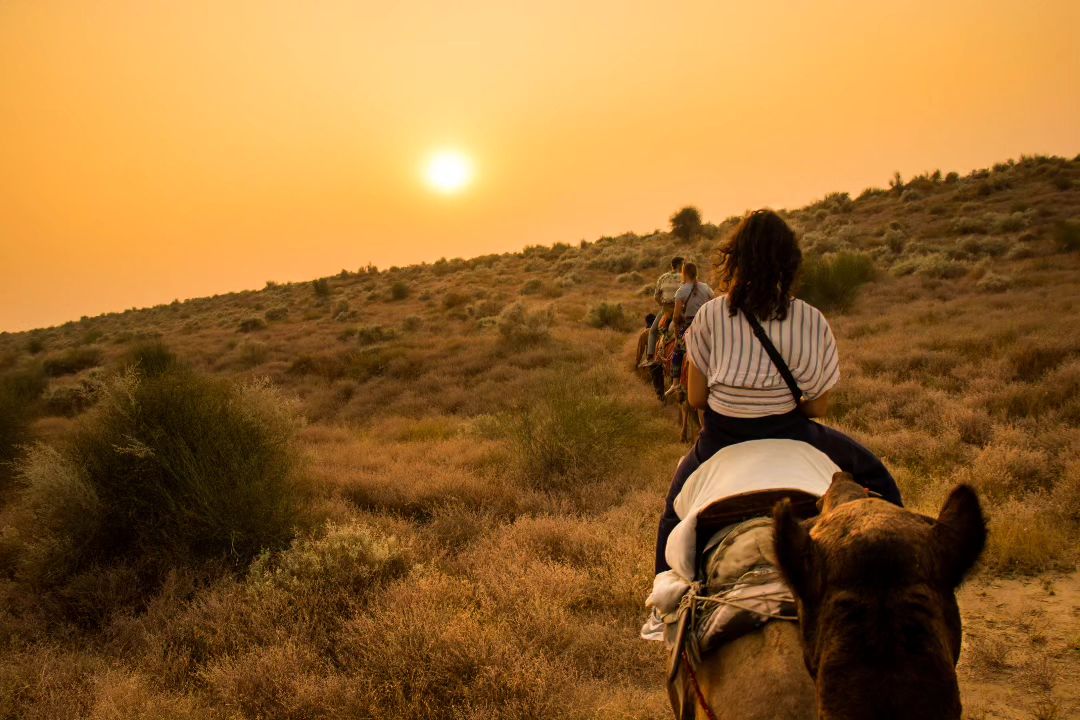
1021	656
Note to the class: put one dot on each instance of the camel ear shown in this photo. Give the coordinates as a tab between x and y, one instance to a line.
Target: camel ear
794	550
959	533
842	489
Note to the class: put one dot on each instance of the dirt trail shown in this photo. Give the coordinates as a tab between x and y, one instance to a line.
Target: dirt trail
1021	656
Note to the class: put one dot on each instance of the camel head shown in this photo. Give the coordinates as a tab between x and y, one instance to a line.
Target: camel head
875	588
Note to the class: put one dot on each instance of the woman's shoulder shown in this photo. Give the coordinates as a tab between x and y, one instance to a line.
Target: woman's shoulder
801	308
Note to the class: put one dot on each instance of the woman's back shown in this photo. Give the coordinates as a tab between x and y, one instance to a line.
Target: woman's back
742	379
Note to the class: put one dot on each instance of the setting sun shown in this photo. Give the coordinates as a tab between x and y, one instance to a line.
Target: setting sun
449	171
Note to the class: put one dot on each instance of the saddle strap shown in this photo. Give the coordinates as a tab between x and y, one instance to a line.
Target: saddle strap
697	688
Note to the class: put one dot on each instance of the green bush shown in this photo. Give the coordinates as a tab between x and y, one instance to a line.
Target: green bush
608	315
399	291
520	328
1067	236
573	435
831	283
371	334
19	389
252	324
321	288
72	360
452	300
150	357
167	471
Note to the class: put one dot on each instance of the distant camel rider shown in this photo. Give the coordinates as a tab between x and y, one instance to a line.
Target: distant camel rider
666	286
688	300
643	339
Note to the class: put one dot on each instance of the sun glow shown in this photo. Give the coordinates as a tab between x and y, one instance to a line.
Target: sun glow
449	171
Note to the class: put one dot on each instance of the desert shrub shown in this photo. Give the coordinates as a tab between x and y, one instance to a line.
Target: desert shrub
871	192
251	324
1030	362
993	282
18	390
532	286
341	311
168	470
607	315
454	299
345	560
571	435
276	314
35	344
894	240
72	360
934	265
1028	536
251	353
979	246
630	278
831	283
617	262
968	226
68	400
521	328
1067	236
1019	252
150	357
412	323
321	288
485	308
371	334
399	290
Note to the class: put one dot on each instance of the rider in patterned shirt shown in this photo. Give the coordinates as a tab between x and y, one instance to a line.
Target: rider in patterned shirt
666	286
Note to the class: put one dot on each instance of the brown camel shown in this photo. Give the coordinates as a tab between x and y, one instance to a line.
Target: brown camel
660	376
875	588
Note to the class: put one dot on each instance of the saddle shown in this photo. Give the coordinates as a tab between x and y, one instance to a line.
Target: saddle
738	587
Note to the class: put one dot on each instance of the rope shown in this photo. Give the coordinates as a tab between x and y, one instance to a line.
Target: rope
697	688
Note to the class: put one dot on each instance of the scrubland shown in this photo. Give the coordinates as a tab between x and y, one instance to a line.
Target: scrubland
432	491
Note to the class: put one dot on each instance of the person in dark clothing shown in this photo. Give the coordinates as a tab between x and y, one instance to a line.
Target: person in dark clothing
744	394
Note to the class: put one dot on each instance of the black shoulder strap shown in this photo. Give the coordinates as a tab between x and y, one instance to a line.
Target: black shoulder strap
774	355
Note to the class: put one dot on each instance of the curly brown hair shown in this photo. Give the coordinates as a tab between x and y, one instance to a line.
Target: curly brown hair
757	265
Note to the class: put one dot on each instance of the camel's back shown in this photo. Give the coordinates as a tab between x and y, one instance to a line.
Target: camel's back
760	675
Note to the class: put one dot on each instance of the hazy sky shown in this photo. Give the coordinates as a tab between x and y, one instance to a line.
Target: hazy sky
152	150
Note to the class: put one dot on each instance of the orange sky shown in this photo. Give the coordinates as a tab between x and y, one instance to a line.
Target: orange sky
160	150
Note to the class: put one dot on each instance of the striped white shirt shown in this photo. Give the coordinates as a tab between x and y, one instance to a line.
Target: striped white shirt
743	382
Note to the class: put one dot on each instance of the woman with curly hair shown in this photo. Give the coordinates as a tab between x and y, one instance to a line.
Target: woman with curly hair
744	394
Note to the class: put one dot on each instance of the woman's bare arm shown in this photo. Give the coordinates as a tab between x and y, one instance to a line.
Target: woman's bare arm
697	388
817	407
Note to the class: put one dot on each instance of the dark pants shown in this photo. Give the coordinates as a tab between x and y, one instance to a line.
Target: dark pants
720	431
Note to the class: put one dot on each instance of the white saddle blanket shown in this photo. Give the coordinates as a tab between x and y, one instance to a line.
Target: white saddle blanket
747	467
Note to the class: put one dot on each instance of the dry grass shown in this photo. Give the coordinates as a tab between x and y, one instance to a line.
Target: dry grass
487	474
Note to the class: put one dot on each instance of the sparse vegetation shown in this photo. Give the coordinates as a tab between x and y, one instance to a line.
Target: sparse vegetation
1067	236
72	360
831	282
608	315
253	324
321	288
522	328
477	482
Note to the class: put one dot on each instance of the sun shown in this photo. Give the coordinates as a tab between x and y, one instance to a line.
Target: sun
449	171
